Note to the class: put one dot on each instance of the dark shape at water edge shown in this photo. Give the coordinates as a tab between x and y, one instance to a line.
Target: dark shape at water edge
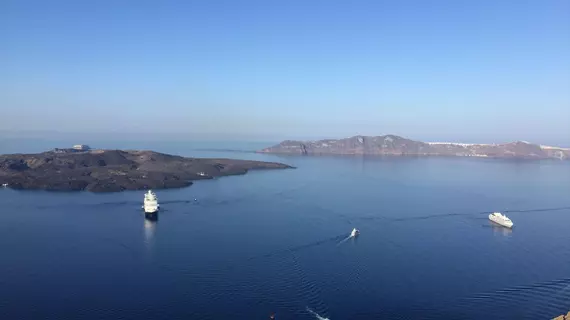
563	317
151	216
116	170
392	145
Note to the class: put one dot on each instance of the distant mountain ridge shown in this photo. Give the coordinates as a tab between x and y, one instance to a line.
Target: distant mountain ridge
392	145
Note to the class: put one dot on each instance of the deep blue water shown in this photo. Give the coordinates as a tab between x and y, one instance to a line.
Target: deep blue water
272	241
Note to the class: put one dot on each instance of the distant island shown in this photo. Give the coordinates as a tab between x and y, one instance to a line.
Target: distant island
392	145
80	168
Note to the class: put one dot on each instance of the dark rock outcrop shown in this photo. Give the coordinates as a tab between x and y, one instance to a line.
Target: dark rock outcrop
563	317
115	170
398	146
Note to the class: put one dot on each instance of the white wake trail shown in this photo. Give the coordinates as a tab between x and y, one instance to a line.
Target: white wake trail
344	240
309	310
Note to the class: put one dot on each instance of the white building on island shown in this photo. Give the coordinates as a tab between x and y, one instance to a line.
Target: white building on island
81	147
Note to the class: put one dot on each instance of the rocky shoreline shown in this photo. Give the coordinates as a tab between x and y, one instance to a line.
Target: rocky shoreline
563	317
116	170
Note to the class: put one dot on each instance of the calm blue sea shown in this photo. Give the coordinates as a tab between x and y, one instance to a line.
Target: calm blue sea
275	242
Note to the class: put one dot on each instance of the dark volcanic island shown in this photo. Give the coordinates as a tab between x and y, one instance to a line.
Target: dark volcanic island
115	170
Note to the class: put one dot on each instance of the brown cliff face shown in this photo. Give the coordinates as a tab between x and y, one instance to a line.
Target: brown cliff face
115	170
398	146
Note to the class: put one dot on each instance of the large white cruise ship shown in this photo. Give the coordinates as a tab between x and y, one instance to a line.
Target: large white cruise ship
501	219
150	204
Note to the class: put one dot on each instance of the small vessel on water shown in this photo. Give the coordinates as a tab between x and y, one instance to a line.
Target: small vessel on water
150	204
354	233
501	219
5	185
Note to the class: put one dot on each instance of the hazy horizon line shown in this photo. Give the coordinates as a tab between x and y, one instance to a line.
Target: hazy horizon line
241	137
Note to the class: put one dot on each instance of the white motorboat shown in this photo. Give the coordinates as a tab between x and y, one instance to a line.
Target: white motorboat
501	219
150	204
354	233
5	185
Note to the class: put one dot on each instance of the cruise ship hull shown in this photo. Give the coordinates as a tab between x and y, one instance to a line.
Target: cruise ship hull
151	216
506	224
150	210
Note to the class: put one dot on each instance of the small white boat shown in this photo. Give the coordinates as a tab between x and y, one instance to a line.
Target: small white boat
150	203
202	174
501	219
354	233
5	185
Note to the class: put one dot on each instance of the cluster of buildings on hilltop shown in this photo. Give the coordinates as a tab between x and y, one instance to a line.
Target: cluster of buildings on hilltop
81	147
75	148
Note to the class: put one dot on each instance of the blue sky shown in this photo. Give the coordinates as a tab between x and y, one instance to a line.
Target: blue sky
487	71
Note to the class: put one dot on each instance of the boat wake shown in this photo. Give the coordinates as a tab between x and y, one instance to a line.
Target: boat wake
540	209
345	240
317	316
94	205
446	215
